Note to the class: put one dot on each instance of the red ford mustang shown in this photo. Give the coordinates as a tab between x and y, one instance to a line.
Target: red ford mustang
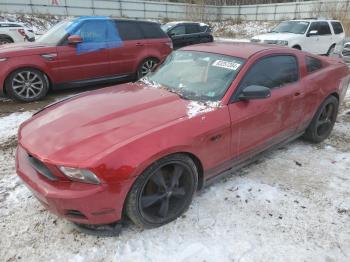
143	149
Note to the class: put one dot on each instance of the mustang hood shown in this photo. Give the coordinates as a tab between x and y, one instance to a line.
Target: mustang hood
75	130
21	49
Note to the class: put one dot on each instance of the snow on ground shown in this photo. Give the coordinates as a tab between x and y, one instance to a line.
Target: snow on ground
39	23
243	29
292	205
10	123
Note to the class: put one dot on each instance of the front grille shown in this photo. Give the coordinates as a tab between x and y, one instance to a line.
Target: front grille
41	168
270	42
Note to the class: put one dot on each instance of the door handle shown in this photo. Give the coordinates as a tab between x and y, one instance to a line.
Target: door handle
139	44
297	94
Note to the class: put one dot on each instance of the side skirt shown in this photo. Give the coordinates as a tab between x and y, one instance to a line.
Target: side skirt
238	163
89	82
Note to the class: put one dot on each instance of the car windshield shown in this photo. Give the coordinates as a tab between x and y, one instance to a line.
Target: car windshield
167	26
196	75
295	27
55	34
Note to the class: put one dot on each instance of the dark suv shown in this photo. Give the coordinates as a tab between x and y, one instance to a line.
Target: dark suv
82	51
188	33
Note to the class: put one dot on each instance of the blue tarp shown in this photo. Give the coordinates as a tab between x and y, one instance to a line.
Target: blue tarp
97	32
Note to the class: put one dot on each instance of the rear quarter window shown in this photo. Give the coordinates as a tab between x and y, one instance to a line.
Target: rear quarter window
152	30
312	64
337	27
204	28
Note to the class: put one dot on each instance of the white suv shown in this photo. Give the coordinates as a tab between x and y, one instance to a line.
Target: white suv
11	32
313	35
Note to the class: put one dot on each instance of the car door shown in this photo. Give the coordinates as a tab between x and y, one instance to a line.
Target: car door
193	35
178	35
325	37
312	40
83	61
258	124
125	59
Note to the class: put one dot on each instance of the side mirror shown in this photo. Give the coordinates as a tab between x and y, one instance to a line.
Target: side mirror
312	33
171	34
255	92
74	39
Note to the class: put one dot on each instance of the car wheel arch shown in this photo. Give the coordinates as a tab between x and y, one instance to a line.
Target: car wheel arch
47	76
297	46
7	36
152	160
335	94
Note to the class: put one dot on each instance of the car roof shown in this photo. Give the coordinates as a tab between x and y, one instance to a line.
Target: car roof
237	49
186	22
315	20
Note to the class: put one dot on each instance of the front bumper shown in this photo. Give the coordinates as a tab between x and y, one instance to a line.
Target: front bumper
77	202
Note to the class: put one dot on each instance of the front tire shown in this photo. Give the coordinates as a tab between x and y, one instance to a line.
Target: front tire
323	122
5	40
163	192
27	85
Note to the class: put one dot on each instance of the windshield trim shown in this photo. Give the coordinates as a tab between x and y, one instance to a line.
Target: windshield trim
62	40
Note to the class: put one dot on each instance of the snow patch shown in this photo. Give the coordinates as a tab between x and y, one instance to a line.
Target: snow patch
150	83
196	107
9	124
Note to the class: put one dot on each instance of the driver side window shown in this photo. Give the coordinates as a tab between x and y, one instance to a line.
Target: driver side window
178	30
272	72
314	27
93	31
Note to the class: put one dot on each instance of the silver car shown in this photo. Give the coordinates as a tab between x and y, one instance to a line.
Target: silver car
342	50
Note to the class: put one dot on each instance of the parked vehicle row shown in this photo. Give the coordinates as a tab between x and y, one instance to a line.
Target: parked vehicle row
188	33
79	52
128	49
316	36
13	32
142	150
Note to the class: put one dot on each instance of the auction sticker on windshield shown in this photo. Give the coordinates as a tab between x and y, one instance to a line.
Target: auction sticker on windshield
225	64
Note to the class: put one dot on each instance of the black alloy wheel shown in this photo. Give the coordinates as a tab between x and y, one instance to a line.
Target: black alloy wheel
163	192
323	122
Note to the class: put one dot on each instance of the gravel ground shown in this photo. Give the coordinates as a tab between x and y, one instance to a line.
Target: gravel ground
292	205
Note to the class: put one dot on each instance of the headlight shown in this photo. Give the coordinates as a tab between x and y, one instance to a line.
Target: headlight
282	42
80	175
3	59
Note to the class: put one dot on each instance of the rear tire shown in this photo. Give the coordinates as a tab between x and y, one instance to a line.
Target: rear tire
27	85
323	122
331	50
163	192
146	66
5	40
